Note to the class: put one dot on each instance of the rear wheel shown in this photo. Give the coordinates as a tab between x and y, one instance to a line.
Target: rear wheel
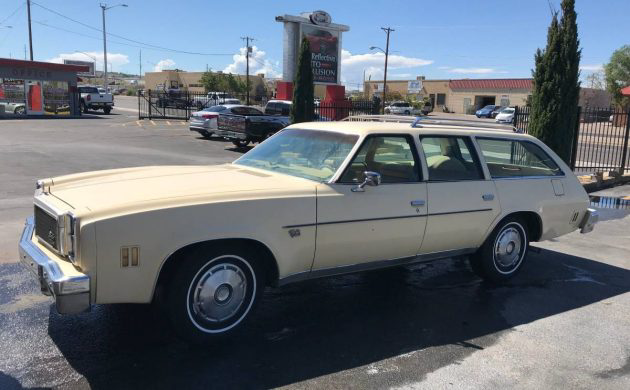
84	108
503	253
21	110
214	292
107	110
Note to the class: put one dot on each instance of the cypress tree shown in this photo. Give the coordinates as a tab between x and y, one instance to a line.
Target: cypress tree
303	106
556	84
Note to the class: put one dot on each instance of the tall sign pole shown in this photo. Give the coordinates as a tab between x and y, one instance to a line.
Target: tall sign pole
247	51
30	34
387	31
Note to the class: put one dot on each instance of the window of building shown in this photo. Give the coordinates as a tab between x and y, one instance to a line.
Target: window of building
512	158
56	98
441	99
450	159
394	157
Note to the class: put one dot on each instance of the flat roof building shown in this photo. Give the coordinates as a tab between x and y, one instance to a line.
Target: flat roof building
38	88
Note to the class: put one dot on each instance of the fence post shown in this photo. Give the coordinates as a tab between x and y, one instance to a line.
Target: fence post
625	144
139	113
515	117
576	135
149	92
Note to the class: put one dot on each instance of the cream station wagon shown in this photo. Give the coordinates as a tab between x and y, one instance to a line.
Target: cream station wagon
316	199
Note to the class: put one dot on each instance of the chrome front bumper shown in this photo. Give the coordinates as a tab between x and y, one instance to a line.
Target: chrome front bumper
589	220
71	290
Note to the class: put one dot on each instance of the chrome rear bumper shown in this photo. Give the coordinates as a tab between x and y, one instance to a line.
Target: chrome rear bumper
71	289
589	220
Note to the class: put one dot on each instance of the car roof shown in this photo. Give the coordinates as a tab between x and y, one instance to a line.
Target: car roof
280	101
365	128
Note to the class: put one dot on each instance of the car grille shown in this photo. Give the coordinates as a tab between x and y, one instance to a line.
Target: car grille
46	227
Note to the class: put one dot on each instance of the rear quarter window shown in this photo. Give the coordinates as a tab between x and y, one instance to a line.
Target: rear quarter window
514	158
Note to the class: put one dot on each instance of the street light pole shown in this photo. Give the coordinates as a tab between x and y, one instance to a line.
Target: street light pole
387	30
104	8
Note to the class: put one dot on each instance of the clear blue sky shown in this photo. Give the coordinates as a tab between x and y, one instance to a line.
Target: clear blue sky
438	39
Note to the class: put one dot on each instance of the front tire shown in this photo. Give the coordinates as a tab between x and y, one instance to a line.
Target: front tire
214	292
502	254
240	143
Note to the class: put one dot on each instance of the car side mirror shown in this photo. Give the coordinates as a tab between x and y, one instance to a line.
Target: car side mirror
372	179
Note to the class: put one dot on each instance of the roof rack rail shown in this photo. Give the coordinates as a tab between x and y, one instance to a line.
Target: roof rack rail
380	118
463	122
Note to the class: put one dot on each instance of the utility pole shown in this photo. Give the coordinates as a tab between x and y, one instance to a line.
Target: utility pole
247	51
140	63
30	34
387	30
104	8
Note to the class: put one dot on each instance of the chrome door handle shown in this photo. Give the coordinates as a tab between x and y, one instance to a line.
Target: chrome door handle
418	202
487	197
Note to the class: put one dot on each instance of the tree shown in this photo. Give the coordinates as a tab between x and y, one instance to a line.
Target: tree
618	75
210	81
554	102
303	107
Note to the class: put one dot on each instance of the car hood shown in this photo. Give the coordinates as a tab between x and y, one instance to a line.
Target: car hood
141	188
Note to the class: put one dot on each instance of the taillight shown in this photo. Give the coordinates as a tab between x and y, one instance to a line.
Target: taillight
88	98
209	116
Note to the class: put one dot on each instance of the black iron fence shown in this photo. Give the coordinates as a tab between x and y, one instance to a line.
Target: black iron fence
159	104
334	111
600	141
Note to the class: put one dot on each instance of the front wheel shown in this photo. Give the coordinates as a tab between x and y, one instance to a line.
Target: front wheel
213	293
240	143
503	253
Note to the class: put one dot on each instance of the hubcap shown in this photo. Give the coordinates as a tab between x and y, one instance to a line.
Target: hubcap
219	293
508	248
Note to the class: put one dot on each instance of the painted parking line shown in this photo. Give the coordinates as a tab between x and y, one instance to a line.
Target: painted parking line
138	123
168	123
153	123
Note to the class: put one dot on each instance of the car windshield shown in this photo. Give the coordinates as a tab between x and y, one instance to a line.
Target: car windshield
507	111
309	154
214	109
488	108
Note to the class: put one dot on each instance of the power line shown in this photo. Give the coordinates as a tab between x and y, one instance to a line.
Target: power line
128	39
13	13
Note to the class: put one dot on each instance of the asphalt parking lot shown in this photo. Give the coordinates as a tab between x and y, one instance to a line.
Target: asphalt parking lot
562	323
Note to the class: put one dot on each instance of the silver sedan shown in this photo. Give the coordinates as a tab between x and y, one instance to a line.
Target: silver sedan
205	121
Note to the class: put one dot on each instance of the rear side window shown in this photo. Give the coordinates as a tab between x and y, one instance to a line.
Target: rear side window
88	90
451	159
271	109
513	158
245	111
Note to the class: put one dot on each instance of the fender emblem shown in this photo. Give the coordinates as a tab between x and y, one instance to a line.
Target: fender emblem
294	233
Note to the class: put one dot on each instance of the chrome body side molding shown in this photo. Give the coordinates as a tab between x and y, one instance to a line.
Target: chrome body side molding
348	269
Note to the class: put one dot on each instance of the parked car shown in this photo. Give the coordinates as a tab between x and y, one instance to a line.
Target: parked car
485	112
496	111
205	121
91	98
245	125
278	107
17	108
399	108
317	199
213	99
426	108
506	115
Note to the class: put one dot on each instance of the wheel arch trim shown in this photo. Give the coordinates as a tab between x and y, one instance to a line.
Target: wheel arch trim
270	259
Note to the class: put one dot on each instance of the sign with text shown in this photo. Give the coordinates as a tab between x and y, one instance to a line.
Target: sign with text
89	64
325	51
414	86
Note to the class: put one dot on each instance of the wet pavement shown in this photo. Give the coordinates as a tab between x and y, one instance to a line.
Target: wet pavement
433	315
561	323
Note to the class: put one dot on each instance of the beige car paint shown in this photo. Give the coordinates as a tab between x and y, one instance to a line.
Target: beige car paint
163	209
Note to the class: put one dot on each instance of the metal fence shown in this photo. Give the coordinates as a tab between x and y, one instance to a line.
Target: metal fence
600	141
159	104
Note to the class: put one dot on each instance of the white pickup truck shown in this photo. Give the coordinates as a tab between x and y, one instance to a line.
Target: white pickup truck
94	99
213	99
